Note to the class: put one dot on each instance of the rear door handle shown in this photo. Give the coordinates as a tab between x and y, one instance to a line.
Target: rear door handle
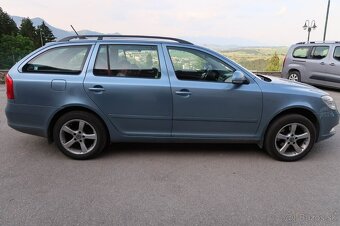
183	92
332	64
322	63
97	89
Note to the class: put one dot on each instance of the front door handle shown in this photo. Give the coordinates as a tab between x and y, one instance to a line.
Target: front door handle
322	63
332	64
183	92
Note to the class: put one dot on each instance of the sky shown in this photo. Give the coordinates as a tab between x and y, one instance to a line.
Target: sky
257	22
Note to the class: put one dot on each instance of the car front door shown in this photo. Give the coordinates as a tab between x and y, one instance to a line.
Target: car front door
205	102
130	84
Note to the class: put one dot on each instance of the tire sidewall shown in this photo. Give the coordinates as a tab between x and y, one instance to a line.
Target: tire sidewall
277	125
93	121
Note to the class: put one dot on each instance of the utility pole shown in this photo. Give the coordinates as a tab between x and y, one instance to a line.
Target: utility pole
326	23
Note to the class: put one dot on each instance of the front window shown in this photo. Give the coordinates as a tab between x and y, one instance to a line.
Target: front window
137	61
319	52
60	60
190	64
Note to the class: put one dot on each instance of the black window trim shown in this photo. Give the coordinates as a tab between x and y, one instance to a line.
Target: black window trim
109	74
89	46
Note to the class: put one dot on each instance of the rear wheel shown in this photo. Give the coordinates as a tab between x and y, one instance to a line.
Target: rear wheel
290	137
294	76
80	135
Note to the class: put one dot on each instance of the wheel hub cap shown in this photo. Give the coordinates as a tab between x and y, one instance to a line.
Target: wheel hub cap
292	139
78	136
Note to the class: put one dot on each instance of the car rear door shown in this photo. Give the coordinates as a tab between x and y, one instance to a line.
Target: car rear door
205	102
130	84
317	64
333	66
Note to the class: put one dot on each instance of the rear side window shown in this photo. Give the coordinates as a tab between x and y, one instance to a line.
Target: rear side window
136	61
337	53
60	60
319	52
301	52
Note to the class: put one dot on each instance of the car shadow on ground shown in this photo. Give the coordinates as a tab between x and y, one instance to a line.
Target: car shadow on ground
178	149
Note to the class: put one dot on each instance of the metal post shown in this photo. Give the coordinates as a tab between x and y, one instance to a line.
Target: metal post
309	30
326	22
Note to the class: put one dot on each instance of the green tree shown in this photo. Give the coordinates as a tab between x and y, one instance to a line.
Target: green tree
13	48
28	30
274	63
45	34
7	24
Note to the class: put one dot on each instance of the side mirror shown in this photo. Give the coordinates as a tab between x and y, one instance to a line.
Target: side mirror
239	78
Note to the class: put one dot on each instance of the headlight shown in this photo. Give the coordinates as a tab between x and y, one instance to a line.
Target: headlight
329	102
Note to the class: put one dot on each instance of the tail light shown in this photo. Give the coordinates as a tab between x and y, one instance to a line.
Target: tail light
9	87
284	61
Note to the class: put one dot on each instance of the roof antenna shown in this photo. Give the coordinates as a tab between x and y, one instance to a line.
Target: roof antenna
74	30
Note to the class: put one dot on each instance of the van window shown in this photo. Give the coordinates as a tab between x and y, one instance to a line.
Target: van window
137	61
301	52
60	60
337	53
319	52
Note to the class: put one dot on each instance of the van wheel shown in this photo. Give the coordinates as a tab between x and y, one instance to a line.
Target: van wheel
290	137
294	76
80	135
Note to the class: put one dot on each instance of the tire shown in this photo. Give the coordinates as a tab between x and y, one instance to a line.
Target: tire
80	135
294	76
290	137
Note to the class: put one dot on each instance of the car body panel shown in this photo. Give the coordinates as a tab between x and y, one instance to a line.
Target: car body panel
135	106
214	109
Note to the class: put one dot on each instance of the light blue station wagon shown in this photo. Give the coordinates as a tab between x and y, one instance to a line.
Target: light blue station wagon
85	92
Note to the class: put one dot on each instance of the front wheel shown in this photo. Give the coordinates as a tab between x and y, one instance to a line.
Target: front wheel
80	135
290	137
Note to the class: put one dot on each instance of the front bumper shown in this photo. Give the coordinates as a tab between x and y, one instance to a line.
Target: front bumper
328	121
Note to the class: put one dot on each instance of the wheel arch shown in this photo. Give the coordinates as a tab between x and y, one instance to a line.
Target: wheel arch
67	109
309	114
293	69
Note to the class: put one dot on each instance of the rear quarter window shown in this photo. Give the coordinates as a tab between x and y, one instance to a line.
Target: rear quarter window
301	52
59	60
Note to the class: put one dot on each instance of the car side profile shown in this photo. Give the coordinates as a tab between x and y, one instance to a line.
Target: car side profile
84	92
316	63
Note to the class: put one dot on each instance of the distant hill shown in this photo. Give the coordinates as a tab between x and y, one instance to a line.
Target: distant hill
58	33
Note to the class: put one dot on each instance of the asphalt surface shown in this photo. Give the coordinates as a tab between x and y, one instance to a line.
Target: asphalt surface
165	184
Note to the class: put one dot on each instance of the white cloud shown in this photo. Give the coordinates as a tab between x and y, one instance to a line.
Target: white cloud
282	11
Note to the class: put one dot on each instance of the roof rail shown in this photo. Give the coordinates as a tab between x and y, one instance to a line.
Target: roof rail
319	42
100	37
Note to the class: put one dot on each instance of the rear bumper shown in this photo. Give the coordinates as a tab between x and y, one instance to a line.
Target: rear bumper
29	119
